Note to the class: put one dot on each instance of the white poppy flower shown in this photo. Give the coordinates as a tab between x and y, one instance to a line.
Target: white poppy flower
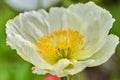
64	41
23	5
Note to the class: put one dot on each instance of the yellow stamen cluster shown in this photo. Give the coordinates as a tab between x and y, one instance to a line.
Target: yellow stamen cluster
60	44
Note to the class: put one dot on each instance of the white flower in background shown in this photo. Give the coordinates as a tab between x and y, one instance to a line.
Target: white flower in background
23	5
64	41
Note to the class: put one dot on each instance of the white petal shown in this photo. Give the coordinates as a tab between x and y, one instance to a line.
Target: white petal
28	51
62	64
71	21
106	51
96	23
39	71
30	25
22	5
91	13
78	67
56	69
53	20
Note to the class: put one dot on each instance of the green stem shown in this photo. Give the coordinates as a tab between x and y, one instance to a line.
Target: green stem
70	77
67	78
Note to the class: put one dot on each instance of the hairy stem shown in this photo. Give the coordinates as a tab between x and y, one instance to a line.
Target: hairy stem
69	77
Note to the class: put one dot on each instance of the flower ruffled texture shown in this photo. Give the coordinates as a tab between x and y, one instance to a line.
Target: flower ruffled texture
64	41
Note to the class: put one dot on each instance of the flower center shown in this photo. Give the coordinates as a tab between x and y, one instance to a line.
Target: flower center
60	44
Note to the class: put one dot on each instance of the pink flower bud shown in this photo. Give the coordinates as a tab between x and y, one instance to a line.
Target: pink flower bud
51	77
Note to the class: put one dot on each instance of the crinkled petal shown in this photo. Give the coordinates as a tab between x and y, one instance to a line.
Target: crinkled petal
40	71
93	16
28	52
30	25
106	51
53	20
59	69
71	21
93	22
60	66
78	66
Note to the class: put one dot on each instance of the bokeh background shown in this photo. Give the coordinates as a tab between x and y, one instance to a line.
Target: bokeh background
13	67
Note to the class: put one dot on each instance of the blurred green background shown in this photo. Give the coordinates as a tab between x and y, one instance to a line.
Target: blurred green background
13	67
